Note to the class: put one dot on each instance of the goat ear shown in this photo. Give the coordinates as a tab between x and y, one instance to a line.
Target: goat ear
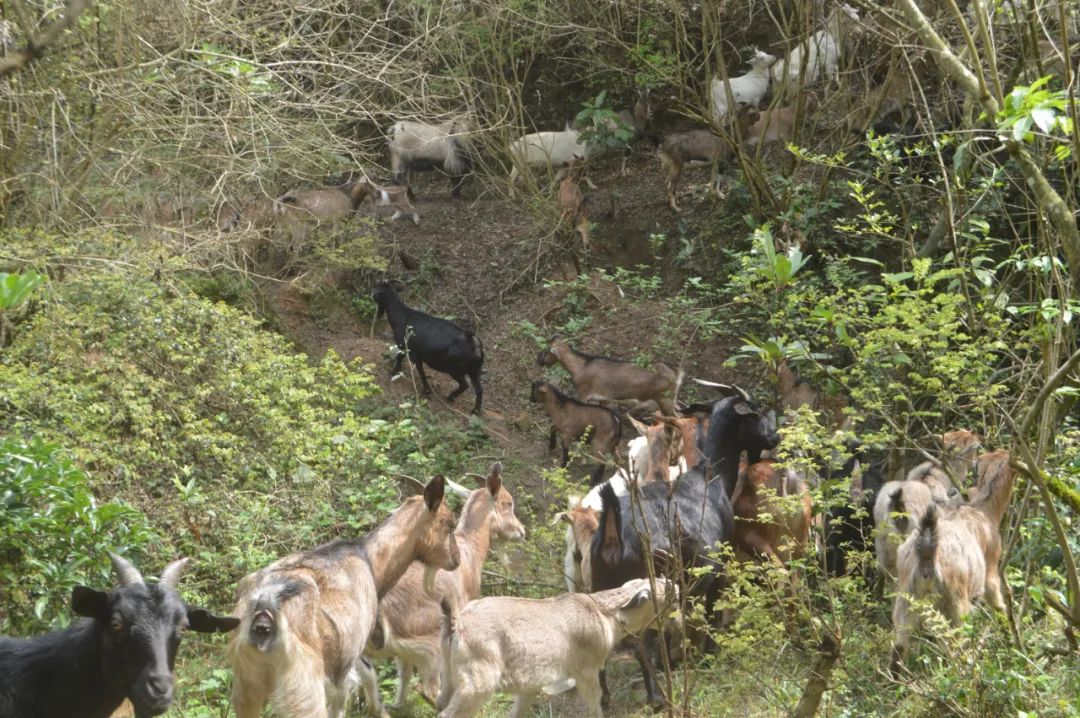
494	479
87	602
561	516
612	545
638	599
641	428
743	408
202	621
433	492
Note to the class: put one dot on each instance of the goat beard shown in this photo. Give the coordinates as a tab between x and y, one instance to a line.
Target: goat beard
429	580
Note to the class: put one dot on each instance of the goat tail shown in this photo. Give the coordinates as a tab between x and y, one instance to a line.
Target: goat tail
478	346
680	374
897	510
457	153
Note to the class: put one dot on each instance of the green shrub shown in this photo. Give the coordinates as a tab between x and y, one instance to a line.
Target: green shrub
54	534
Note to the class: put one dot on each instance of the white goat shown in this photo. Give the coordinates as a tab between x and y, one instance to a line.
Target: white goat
822	52
524	646
553	150
748	89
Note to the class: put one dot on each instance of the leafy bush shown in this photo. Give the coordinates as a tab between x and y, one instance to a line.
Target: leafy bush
54	534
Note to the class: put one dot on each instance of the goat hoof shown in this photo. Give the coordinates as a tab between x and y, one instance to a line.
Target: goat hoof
396	377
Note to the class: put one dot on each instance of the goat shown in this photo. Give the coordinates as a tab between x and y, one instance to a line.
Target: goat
257	215
396	196
850	525
822	50
690	518
954	554
766	524
748	89
297	211
692	428
306	618
696	147
570	200
659	459
420	146
796	392
599	378
768	126
441	344
900	505
410	618
572	419
524	646
553	150
124	648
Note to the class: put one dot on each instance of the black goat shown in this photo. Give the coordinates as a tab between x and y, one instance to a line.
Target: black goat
849	527
696	511
441	344
125	650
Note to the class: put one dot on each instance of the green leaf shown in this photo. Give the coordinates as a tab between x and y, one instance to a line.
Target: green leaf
1045	118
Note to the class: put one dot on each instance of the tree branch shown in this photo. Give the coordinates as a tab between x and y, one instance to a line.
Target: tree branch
35	47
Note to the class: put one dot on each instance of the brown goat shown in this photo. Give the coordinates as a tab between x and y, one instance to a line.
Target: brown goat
571	420
570	200
796	392
768	524
306	618
298	211
663	446
599	378
410	618
770	126
583	522
696	147
954	554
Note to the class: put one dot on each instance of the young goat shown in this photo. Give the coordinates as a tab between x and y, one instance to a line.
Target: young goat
410	618
599	378
124	648
822	50
770	126
693	147
396	196
441	344
572	420
420	146
524	646
570	200
768	523
900	505
306	618
749	89
954	554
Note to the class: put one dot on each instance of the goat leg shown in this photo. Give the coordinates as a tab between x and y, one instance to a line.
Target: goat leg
605	694
478	389
461	387
423	377
644	654
551	439
396	369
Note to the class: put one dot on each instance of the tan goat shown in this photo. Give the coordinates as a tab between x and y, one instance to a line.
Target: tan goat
796	392
410	618
954	553
298	211
570	200
900	505
573	420
599	378
306	618
524	646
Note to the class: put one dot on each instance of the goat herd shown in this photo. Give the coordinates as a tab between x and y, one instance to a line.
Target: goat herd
307	628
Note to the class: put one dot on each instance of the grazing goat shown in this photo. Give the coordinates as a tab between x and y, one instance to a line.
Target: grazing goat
690	518
420	146
306	618
524	646
441	344
553	150
770	126
599	378
900	505
410	618
570	201
954	554
822	50
328	204
125	648
572	419
747	90
396	196
796	392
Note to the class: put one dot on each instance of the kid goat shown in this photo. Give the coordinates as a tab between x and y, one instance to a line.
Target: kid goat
410	618
524	646
749	89
599	378
572	420
441	344
123	648
306	618
420	146
953	555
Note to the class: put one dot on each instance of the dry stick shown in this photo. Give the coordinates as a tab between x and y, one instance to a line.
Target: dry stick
35	47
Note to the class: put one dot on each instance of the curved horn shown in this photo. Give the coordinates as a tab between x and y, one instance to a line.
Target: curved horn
126	571
713	384
458	489
171	575
742	392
